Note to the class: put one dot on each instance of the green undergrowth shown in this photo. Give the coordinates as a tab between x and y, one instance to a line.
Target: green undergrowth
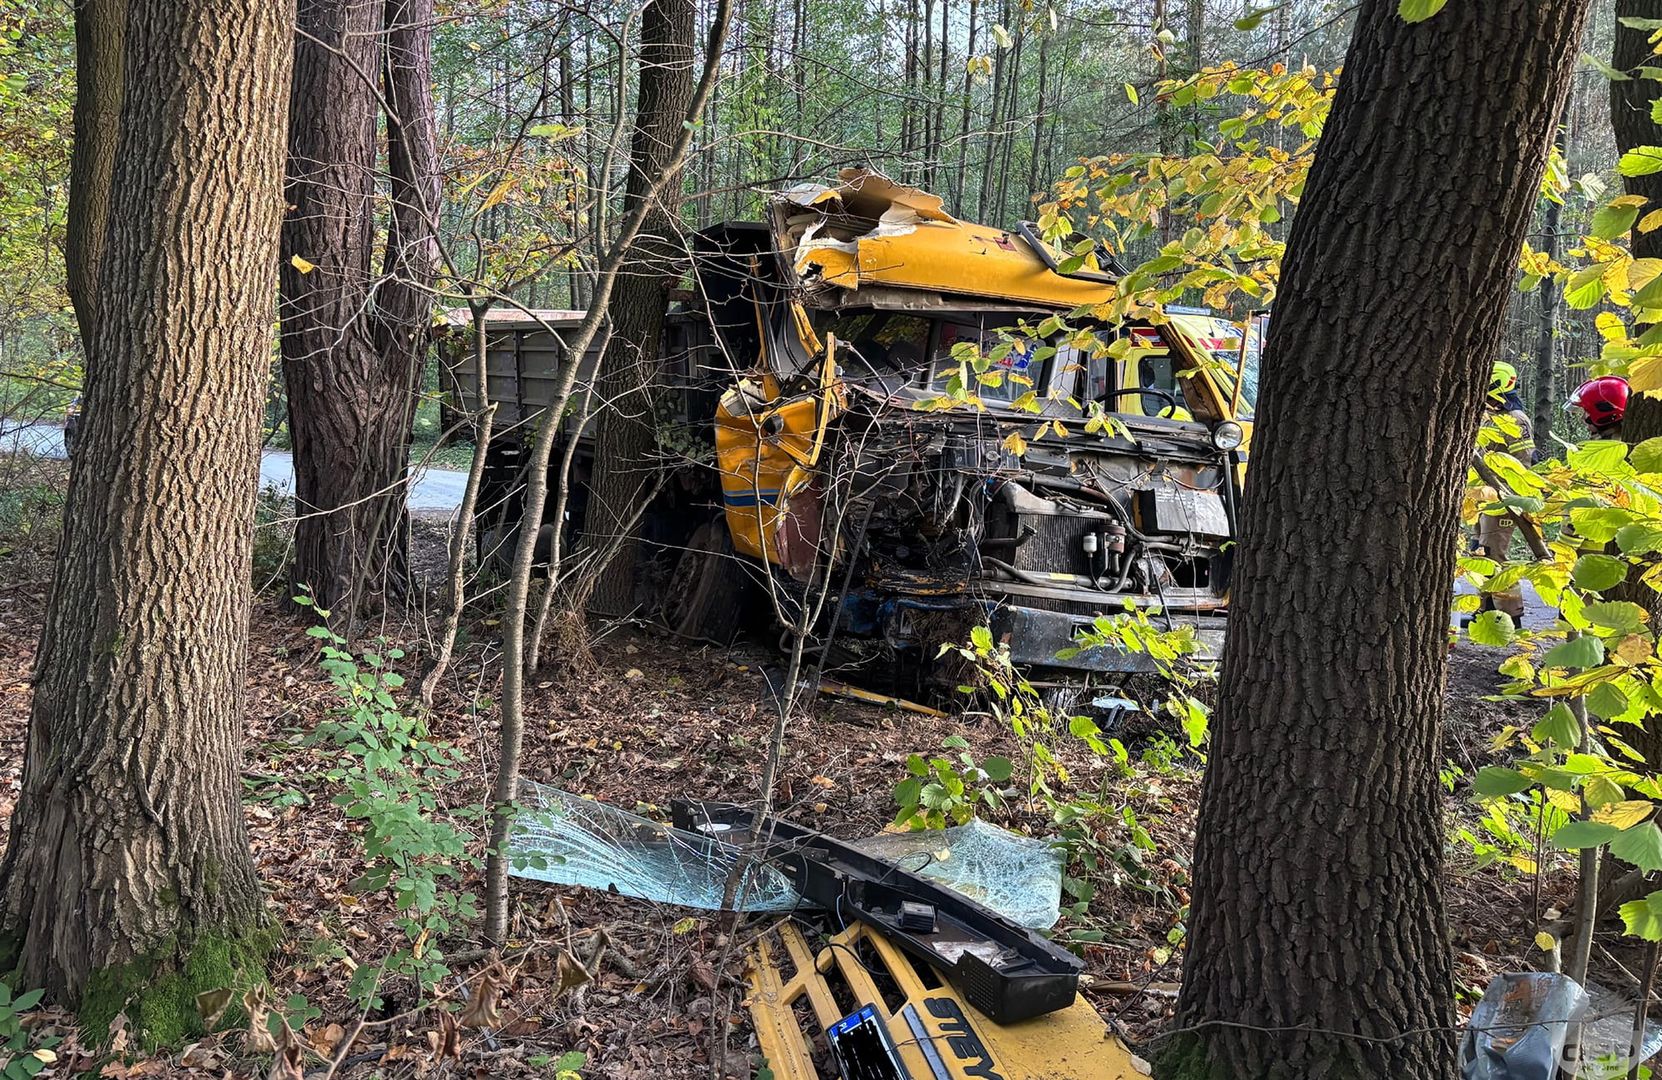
158	994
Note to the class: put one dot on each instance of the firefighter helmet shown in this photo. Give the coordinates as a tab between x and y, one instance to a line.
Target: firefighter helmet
1603	401
1503	379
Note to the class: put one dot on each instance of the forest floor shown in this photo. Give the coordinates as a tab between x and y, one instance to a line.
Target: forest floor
641	720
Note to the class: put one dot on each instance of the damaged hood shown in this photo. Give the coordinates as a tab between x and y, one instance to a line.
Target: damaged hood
869	232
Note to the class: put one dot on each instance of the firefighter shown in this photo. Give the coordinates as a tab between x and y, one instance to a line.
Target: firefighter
1603	403
1494	533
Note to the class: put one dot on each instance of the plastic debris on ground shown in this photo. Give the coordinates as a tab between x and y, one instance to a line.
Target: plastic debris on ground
570	840
1017	876
1606	1040
1519	1029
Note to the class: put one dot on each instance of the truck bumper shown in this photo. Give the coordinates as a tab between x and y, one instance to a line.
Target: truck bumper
1035	636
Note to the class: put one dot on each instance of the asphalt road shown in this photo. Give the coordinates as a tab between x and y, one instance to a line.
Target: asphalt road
433	491
440	491
1537	615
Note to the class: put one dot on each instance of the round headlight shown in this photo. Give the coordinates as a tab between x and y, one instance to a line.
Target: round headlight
1228	435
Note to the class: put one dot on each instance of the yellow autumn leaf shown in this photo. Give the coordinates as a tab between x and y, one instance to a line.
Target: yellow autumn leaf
1566	801
1545	941
499	193
1014	443
1645	374
301	264
1624	815
1610	326
1651	221
1633	649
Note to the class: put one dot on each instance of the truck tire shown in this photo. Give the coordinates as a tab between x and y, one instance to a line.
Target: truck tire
704	598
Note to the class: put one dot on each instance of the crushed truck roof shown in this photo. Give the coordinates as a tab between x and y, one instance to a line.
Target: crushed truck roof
867	230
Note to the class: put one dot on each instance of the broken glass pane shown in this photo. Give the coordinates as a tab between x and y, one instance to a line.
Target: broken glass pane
570	840
1017	876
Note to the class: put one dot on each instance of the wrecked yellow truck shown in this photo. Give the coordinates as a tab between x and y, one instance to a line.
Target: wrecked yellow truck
822	356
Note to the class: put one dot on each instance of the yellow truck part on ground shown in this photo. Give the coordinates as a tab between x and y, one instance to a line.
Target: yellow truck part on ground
937	1035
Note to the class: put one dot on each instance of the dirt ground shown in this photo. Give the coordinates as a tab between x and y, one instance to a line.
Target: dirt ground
650	719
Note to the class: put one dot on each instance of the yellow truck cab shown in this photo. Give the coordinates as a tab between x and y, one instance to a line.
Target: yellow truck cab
847	314
812	357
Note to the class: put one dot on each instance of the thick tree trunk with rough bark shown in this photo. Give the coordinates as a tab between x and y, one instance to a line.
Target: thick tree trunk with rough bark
1630	103
99	28
626	452
1318	946
353	339
127	851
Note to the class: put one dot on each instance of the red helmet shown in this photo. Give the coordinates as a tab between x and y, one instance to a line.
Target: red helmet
1602	400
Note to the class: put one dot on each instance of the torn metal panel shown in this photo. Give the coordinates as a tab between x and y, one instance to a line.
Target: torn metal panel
868	230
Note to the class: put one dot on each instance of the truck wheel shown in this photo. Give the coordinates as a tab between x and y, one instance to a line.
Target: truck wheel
705	595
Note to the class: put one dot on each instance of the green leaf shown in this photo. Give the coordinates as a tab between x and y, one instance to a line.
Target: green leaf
998	769
1492	782
1633	22
1603	456
1415	11
1601	791
982	638
1641	846
1611	73
1607	700
1251	19
1647	456
1639	539
1597	524
906	792
1610	222
1131	94
1558	727
1579	652
1641	161
1584	834
1643	918
1648	295
1585	288
1615	615
1492	628
1598	572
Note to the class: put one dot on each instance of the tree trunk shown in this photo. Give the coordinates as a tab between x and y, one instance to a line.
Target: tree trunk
127	851
353	342
339	401
626	453
99	28
1546	326
1630	104
404	297
961	187
516	602
1318	944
